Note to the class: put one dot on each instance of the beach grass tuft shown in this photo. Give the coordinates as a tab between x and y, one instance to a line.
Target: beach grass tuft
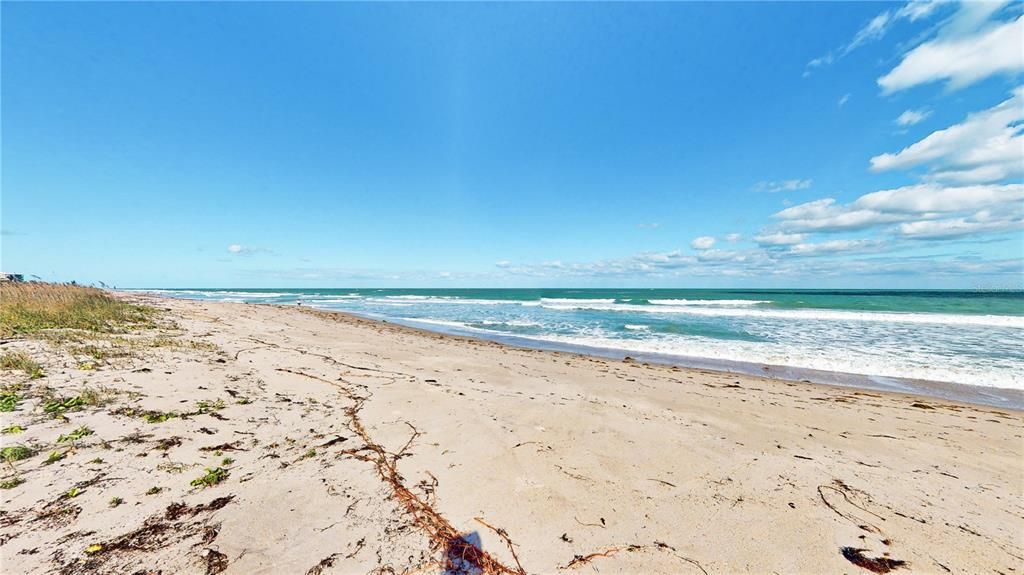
11	483
27	308
23	361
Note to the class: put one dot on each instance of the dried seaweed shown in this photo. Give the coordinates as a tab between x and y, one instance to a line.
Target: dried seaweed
460	555
873	564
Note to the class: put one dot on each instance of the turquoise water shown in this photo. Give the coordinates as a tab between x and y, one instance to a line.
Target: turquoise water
968	337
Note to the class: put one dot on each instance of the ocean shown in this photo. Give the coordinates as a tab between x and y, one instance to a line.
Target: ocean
883	337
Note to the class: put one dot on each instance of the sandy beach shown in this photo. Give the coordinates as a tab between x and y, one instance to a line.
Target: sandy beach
261	439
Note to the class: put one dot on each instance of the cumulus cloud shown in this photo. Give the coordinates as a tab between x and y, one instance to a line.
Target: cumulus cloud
961	60
911	117
703	243
826	216
783	186
925	198
503	264
988	146
733	238
910	207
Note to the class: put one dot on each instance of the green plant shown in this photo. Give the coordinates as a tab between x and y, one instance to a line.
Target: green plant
27	308
97	460
243	401
115	501
154	490
73	492
9	401
16	453
96	397
227	461
11	483
54	457
308	454
158	417
21	360
12	429
208	406
211	478
75	435
61	404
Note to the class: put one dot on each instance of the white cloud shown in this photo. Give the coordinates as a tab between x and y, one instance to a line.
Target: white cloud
911	117
926	198
842	101
825	60
782	264
836	247
779	239
875	29
987	146
733	238
960	60
909	207
783	186
825	216
915	10
982	222
703	243
650	226
240	250
503	264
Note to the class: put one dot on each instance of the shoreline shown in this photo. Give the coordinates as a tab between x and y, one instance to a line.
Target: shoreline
1004	398
377	447
1000	397
992	396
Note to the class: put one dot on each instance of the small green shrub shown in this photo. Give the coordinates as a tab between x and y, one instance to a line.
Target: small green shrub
208	406
9	401
61	404
158	417
54	457
75	435
16	453
212	477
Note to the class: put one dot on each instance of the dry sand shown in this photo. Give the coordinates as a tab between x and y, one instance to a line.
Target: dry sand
362	447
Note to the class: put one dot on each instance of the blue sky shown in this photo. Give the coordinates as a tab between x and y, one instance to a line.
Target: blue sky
690	145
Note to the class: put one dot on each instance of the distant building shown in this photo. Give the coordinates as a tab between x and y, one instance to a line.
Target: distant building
13	278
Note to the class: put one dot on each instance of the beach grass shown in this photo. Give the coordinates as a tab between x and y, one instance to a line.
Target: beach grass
28	308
